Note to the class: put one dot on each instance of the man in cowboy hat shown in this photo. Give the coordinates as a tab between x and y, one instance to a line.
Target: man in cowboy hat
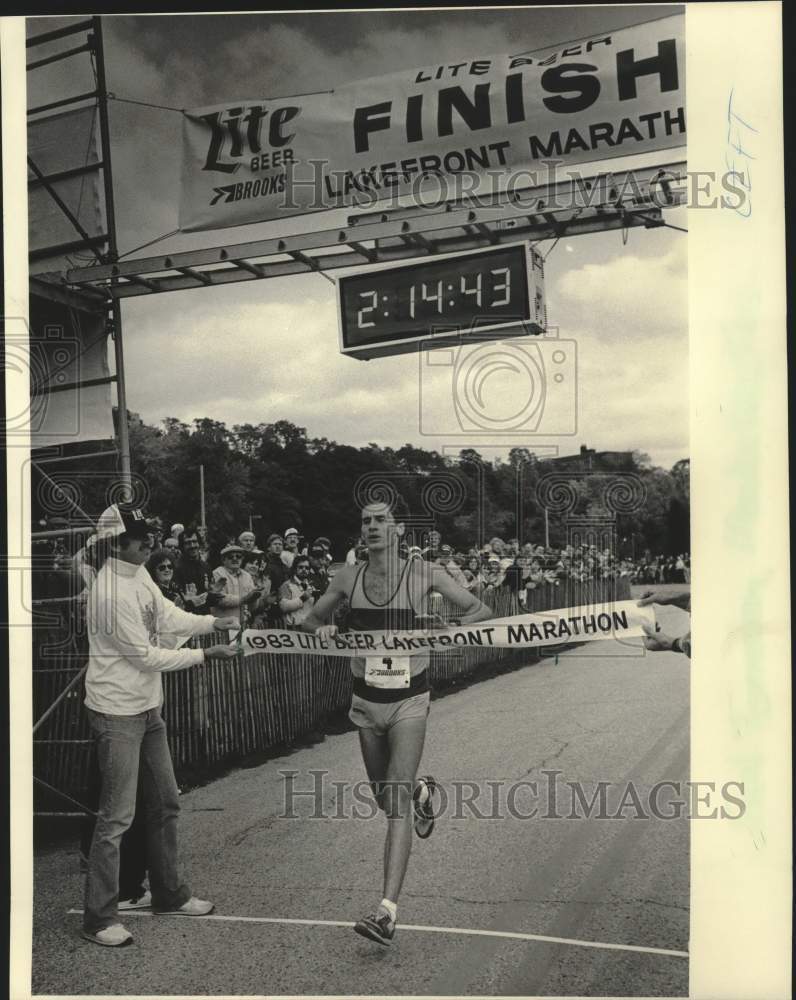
126	615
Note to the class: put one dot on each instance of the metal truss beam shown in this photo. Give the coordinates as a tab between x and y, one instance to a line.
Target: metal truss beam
568	208
63	102
51	36
58	56
65	175
49	285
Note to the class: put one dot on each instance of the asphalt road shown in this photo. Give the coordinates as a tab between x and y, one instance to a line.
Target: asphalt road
604	712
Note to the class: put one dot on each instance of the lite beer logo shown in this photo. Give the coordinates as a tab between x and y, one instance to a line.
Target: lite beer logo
235	135
612	95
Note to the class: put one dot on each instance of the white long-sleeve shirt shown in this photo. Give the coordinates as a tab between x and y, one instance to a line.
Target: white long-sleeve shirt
127	619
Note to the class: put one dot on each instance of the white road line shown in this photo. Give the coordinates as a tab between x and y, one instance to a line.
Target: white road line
473	932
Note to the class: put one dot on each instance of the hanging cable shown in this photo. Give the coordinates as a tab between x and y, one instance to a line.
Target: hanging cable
157	239
181	111
86	157
144	104
552	248
662	222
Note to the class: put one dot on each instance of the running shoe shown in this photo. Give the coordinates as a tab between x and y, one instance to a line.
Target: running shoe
143	902
114	936
424	811
192	908
379	926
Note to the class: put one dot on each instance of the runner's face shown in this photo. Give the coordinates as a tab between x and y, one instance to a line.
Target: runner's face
379	529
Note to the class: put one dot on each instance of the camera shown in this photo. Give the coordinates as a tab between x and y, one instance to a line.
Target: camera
49	411
506	387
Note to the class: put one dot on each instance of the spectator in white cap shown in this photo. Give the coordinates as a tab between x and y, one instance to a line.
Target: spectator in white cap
171	544
291	547
126	615
247	540
176	530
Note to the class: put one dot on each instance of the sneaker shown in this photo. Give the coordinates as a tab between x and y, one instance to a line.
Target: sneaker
424	811
114	936
379	926
192	908
143	902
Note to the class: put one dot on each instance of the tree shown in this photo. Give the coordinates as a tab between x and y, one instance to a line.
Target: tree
276	472
681	473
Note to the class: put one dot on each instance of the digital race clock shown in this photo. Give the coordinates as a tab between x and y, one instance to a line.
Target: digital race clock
473	294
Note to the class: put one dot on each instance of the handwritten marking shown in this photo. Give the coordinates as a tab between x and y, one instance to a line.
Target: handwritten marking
737	156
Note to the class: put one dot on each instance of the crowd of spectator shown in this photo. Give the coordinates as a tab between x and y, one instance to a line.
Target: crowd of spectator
524	568
277	582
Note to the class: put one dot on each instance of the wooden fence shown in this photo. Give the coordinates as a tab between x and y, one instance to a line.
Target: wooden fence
223	711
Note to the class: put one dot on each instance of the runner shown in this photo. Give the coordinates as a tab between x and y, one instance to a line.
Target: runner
391	698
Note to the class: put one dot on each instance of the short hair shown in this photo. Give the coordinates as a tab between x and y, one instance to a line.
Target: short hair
389	498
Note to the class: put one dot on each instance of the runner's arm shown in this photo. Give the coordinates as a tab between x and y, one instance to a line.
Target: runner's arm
681	599
324	607
472	609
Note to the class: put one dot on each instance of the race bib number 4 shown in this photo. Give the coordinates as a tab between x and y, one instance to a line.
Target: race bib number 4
387	671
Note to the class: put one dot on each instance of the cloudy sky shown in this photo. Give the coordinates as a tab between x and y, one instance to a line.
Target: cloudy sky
266	350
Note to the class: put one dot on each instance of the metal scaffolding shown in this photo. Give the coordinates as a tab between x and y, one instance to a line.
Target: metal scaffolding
567	208
102	245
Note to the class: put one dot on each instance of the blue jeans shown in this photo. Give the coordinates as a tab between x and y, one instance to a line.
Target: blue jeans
125	742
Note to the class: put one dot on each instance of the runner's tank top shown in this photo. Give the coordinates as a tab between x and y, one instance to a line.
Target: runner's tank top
398	614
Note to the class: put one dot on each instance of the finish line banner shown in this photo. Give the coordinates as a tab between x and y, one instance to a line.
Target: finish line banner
622	620
618	93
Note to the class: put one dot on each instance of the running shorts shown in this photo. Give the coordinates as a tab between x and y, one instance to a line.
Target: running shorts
382	716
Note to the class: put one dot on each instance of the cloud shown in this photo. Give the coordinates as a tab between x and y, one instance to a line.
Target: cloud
629	316
261	361
628	297
264	351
